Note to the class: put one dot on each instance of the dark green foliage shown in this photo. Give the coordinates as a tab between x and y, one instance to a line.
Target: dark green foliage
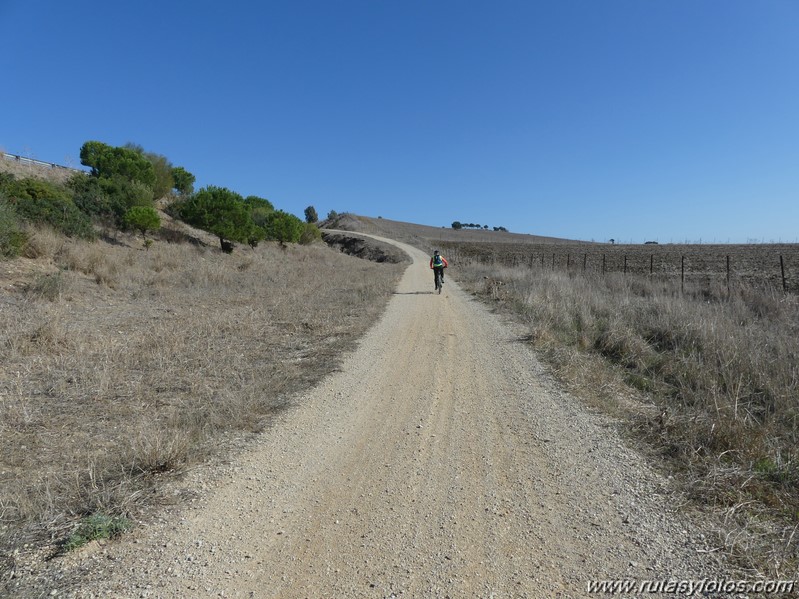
283	227
332	214
183	180
142	219
310	215
108	199
128	193
260	209
12	237
44	202
457	225
256	203
5	179
256	235
109	162
221	212
93	199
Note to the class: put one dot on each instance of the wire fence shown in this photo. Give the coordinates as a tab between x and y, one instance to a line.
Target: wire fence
33	161
750	266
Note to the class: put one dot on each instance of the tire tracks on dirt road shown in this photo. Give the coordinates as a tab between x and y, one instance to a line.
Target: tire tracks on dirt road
440	462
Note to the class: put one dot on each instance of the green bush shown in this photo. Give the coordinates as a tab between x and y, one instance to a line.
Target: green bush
164	180
12	237
283	227
47	203
310	234
97	526
142	219
110	162
93	199
221	212
183	180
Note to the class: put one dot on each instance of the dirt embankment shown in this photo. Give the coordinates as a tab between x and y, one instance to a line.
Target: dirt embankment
364	247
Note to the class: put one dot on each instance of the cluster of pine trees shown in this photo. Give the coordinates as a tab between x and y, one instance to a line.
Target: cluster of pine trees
120	191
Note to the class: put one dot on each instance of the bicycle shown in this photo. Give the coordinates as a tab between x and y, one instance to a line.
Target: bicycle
439	282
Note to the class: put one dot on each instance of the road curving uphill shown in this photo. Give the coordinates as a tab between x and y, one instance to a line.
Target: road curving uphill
440	462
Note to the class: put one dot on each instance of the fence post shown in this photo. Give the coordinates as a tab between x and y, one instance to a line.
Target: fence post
568	262
782	271
728	273
553	261
651	264
625	264
585	261
682	274
603	265
542	261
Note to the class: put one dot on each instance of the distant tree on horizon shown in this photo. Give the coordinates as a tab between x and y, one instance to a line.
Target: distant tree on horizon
310	215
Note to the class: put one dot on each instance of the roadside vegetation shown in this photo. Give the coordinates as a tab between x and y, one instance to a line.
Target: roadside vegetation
121	368
708	379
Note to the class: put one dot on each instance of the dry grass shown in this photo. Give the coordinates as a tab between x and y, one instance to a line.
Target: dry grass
709	380
118	365
39	171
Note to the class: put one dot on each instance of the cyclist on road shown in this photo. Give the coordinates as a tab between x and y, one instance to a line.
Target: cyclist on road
438	264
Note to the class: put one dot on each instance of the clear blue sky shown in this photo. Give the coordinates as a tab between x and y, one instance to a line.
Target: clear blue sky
586	119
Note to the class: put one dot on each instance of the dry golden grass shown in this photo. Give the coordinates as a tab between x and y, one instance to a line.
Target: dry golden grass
710	382
118	365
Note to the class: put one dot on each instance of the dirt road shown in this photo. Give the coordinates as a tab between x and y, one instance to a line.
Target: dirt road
440	462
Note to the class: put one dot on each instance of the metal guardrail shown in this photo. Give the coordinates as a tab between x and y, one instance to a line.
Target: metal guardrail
23	159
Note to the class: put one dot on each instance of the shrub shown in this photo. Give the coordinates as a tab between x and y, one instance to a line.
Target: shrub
93	200
50	286
310	234
255	202
310	215
110	162
43	202
284	227
221	212
97	526
260	209
142	219
183	180
164	179
12	237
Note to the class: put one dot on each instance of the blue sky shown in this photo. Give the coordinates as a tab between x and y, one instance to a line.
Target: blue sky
670	120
